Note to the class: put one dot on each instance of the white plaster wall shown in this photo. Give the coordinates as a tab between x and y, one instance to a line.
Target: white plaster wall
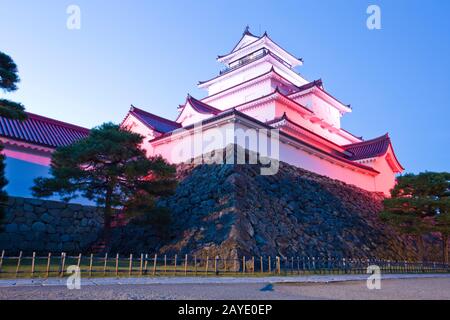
245	94
306	123
240	76
302	159
321	108
135	125
218	137
386	180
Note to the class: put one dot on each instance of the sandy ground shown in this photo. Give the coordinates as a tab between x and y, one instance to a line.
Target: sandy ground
425	288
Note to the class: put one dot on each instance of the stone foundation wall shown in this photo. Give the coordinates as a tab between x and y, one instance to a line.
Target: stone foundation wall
49	226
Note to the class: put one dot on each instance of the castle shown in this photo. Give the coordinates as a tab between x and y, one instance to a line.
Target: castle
260	90
256	99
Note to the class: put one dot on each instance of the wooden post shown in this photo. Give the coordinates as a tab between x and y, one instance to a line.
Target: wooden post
292	265
141	265
185	264
18	263
175	264
236	264
165	264
63	263
154	264
215	265
117	265
1	260
145	263
47	271
105	264
207	262
243	264
278	265
253	265
225	265
195	264
270	266
130	267
32	264
79	260
91	261
261	262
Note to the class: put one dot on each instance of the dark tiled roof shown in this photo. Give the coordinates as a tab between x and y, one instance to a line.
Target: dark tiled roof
369	149
200	106
159	124
315	83
42	131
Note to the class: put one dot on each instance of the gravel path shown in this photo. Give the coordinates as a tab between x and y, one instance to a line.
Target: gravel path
421	288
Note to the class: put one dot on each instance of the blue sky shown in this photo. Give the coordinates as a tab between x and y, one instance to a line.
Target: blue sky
152	53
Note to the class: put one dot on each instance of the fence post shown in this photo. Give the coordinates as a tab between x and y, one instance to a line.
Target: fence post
79	260
185	264
343	265
261	264
32	264
314	264
1	260
145	263
63	263
117	265
105	264
165	264
243	264
278	265
298	265
18	263
207	261
175	263
195	264
130	266
47	271
91	261
270	266
154	264
253	265
292	265
225	265
141	265
215	265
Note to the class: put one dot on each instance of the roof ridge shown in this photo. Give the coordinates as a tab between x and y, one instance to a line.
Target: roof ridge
207	106
133	108
370	141
55	122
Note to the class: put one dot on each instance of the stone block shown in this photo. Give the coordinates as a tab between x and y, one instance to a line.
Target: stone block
11	228
39	227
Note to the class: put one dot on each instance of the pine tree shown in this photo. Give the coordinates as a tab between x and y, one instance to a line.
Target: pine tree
419	205
110	168
9	79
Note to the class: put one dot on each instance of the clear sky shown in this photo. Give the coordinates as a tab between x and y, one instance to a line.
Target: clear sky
152	53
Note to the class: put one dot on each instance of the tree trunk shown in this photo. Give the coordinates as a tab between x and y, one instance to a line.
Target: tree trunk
445	247
420	247
107	216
